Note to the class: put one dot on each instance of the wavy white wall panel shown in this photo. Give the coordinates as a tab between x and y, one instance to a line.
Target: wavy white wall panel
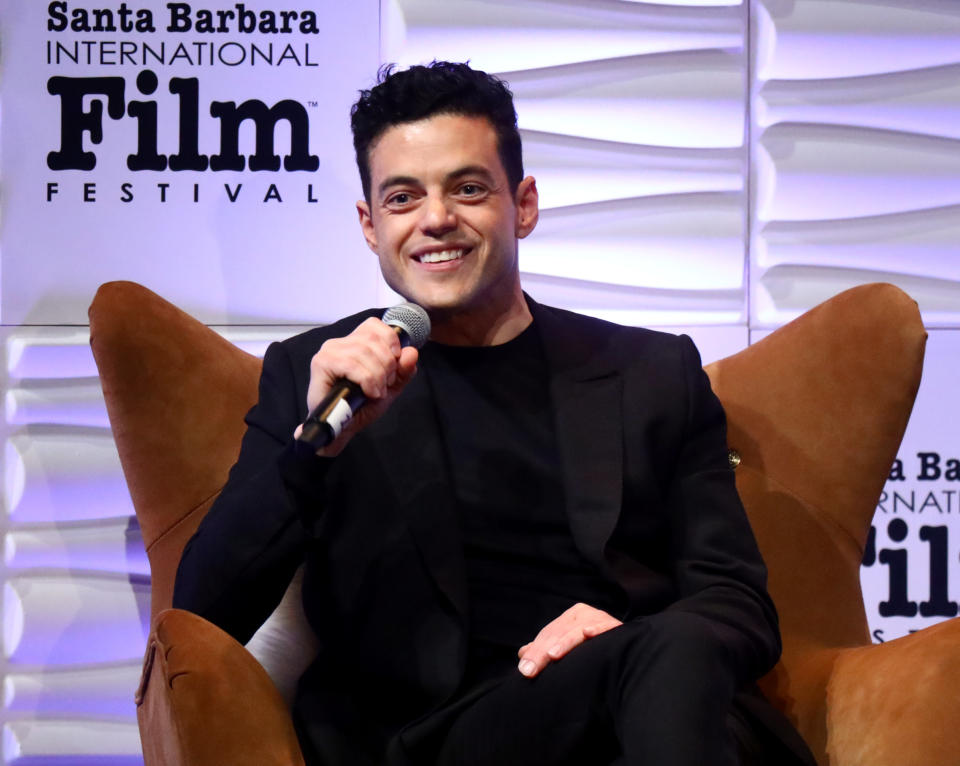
76	590
641	306
58	618
53	742
856	154
59	473
254	340
670	244
107	545
801	39
890	242
925	101
49	352
819	172
104	691
567	167
502	35
806	261
67	401
688	99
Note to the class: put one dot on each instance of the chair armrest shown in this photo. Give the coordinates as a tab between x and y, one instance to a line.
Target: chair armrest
897	704
205	701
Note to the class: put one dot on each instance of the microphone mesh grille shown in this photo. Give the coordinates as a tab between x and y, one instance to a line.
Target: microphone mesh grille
412	319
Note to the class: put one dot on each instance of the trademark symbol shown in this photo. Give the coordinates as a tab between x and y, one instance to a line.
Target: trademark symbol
312	104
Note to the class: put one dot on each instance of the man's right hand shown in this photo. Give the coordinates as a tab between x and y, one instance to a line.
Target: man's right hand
371	357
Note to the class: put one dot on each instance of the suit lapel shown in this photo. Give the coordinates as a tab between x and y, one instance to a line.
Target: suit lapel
586	391
411	450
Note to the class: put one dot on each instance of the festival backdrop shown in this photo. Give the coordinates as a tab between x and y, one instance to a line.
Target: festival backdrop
709	166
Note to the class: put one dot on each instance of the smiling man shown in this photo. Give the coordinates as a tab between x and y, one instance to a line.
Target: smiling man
528	547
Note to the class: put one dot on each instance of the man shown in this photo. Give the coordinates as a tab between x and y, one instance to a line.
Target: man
528	547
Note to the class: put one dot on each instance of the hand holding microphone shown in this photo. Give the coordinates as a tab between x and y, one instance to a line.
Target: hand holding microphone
355	378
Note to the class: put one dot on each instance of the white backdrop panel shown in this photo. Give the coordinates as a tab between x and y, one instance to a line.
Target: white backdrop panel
856	154
222	260
916	552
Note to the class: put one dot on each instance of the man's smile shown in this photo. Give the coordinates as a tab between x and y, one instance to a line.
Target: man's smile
444	255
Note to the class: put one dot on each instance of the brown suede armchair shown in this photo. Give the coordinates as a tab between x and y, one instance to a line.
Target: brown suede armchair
816	412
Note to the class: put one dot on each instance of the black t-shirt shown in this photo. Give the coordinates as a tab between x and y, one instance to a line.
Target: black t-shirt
523	567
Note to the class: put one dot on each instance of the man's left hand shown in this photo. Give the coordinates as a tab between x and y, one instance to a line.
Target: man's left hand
569	630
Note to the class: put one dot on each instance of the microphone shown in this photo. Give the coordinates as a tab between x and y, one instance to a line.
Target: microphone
328	419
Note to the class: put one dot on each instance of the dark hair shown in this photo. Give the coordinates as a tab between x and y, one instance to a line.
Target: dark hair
441	87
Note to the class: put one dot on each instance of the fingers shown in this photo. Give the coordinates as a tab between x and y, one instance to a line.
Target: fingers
579	623
368	357
540	654
589	631
565	643
406	366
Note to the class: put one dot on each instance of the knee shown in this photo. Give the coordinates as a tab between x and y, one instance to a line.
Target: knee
678	642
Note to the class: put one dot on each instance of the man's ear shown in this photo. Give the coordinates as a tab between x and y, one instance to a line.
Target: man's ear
366	225
528	206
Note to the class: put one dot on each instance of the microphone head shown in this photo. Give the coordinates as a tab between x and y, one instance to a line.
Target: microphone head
410	318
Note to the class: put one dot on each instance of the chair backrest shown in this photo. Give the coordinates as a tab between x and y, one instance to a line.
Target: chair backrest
176	393
816	411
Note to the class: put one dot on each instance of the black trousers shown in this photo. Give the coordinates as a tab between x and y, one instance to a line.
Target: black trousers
652	692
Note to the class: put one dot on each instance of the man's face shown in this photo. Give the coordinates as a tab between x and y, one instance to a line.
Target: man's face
442	219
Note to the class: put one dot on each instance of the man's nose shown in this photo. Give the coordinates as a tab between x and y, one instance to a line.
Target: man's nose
438	217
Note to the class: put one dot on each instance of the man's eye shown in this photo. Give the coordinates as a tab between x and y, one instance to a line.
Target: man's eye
402	198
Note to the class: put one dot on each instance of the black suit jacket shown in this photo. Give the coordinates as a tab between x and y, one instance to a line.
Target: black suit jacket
649	495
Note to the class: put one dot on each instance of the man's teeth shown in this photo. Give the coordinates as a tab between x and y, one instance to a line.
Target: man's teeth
443	255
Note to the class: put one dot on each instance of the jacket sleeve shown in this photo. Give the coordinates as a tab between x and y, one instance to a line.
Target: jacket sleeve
237	566
718	571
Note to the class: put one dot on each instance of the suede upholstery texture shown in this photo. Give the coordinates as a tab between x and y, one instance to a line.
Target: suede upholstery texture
816	412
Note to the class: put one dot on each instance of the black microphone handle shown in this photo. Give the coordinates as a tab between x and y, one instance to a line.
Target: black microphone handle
328	419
